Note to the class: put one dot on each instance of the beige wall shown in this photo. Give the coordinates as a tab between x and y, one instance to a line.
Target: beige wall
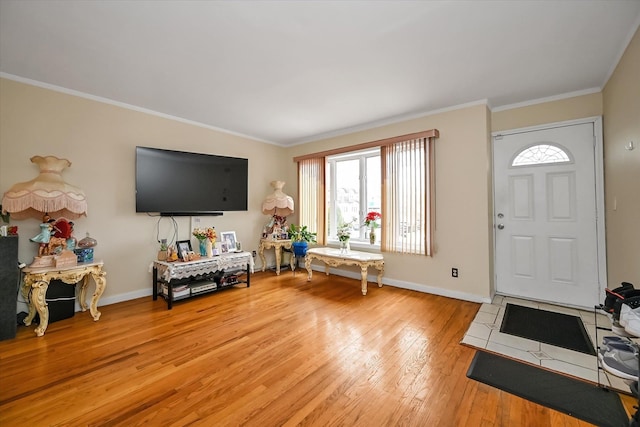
462	203
577	107
622	167
100	139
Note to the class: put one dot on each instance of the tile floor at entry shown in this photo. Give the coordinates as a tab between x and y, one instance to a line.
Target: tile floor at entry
484	333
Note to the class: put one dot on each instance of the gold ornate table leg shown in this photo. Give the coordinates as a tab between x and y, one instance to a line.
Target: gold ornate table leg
380	267
307	265
26	294
261	253
82	297
363	271
101	282
278	251
38	299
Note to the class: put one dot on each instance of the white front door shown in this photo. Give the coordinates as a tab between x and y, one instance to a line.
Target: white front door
546	237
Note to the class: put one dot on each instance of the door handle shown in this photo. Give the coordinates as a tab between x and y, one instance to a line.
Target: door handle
500	226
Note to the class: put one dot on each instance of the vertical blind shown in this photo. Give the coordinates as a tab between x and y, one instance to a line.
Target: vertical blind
311	194
406	178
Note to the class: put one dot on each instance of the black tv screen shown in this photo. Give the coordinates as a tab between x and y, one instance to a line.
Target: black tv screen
181	183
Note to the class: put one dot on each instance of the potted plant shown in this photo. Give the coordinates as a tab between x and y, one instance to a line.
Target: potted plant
301	237
162	253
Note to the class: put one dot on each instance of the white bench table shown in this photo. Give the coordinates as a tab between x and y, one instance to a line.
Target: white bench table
334	257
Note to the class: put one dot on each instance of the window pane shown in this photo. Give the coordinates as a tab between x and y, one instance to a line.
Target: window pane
348	193
373	184
330	203
541	154
374	187
353	190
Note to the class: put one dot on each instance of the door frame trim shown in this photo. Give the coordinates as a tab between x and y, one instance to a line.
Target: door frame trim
601	247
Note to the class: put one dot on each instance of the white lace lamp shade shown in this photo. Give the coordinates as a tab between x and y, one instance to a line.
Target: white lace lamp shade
47	193
278	203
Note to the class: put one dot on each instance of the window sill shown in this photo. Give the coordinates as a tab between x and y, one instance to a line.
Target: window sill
356	245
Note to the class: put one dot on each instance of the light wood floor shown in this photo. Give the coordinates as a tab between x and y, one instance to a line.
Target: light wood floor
284	352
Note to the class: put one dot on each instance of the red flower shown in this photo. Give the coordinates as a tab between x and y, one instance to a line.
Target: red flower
371	218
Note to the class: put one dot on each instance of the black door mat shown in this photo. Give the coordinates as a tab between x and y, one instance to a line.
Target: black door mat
560	330
576	398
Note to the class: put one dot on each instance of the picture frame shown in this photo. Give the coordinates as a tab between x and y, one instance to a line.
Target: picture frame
224	247
183	247
228	237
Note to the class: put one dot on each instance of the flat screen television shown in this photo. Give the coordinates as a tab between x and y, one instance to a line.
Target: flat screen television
181	183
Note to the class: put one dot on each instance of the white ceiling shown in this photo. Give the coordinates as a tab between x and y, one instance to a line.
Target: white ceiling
287	72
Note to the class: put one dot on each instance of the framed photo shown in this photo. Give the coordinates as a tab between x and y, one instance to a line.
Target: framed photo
224	247
229	237
183	247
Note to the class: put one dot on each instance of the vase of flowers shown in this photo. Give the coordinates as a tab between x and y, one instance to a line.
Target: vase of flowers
371	221
206	239
344	235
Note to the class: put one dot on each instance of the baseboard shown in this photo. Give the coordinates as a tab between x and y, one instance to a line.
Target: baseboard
419	287
113	299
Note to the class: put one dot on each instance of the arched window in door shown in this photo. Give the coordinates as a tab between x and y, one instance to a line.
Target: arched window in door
541	154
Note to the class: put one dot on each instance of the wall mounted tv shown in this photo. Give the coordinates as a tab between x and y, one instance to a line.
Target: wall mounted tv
181	183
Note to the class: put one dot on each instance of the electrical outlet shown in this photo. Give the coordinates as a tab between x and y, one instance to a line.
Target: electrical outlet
253	254
454	272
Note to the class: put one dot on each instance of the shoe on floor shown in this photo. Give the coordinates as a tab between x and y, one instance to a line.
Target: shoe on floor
619	330
624	313
615	338
627	346
632	320
611	295
627	306
622	364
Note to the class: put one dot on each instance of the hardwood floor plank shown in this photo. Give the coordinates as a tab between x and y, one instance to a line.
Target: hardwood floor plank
283	352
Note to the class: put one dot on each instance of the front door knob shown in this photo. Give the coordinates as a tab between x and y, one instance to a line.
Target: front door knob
500	226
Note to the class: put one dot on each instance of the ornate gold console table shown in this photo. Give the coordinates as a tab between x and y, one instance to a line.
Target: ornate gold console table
335	257
277	246
36	281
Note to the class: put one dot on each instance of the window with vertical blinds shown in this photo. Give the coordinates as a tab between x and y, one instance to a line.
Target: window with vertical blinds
406	182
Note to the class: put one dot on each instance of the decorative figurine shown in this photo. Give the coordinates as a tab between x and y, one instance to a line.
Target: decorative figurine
43	238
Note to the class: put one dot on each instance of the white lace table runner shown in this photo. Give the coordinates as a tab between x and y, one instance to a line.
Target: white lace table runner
181	270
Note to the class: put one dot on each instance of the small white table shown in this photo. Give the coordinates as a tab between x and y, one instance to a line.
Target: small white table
168	271
335	257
